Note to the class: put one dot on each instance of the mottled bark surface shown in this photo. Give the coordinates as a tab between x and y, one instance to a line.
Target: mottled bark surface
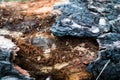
41	53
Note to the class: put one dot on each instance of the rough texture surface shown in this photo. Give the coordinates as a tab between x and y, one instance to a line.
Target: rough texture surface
48	57
45	56
113	69
98	19
76	21
7	71
87	18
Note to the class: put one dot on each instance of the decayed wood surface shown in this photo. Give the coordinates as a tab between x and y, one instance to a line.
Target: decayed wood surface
67	61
